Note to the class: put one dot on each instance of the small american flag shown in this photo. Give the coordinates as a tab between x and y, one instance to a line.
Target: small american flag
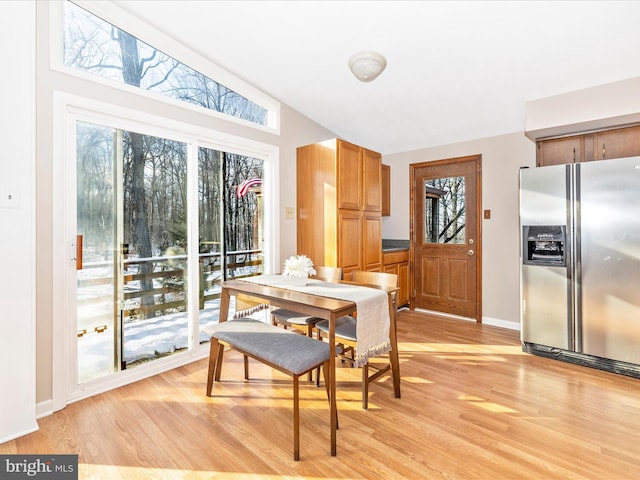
243	188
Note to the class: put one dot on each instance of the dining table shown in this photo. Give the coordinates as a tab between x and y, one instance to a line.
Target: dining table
329	307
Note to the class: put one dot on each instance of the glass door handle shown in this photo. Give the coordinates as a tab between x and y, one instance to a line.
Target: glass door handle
78	252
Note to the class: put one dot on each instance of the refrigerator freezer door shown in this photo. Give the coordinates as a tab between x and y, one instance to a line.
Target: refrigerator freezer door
609	224
545	289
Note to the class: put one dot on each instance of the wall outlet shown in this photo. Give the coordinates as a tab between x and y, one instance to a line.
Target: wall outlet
289	213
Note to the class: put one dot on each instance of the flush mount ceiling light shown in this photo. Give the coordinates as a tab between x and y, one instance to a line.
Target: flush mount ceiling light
367	65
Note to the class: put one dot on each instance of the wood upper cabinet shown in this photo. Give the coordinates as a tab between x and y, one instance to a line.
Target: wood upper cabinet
386	190
372	181
615	143
618	143
339	201
349	165
560	150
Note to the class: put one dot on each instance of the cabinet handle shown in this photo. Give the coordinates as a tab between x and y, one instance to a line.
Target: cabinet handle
604	151
574	154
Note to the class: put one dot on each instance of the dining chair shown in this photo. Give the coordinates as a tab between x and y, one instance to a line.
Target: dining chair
296	320
301	322
345	329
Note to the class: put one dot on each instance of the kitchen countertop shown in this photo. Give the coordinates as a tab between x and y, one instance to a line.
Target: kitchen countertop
391	245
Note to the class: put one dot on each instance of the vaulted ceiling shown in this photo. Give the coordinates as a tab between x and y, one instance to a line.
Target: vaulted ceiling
456	70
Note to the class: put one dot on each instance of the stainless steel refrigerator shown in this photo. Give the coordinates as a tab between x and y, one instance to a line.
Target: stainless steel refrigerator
580	263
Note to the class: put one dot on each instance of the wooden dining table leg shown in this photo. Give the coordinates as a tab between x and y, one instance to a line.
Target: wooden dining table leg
332	383
393	353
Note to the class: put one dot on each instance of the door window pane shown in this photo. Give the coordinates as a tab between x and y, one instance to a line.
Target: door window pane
154	247
95	272
132	216
230	219
444	207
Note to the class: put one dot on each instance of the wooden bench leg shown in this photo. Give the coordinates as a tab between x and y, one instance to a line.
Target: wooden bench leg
296	419
220	353
246	367
213	355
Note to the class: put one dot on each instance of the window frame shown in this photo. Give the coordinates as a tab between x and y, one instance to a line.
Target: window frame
68	109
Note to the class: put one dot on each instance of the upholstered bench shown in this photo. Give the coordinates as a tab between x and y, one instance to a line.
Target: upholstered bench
286	351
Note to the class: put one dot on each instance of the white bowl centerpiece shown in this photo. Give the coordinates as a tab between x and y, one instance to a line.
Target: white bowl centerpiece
298	268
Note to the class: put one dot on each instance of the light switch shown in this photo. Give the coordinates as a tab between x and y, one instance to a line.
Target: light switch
487	214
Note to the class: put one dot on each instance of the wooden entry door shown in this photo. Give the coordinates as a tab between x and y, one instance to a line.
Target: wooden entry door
445	229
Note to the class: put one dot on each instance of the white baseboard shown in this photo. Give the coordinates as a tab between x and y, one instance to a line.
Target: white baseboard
18	435
494	322
497	322
44	409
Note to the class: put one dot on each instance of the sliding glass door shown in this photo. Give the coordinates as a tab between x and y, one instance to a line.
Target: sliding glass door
142	279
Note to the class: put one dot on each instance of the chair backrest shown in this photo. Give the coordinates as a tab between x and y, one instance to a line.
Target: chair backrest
382	279
328	274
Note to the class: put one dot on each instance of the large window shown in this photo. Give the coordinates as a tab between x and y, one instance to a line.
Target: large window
100	48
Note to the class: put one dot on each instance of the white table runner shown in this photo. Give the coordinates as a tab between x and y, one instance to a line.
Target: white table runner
373	322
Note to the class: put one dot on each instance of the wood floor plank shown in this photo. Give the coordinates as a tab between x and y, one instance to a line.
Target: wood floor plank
473	406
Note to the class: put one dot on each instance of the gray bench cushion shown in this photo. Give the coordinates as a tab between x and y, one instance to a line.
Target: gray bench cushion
291	351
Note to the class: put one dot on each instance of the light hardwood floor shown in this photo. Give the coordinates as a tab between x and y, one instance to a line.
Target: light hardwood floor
473	406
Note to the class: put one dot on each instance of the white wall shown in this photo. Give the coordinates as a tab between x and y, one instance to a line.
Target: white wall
502	158
17	217
604	106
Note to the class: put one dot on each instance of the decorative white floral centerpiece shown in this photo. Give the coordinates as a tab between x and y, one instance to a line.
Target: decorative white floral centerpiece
298	268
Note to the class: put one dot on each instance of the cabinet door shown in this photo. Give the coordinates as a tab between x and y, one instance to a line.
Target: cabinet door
372	181
349	166
560	151
393	268
386	190
372	241
618	143
349	241
403	283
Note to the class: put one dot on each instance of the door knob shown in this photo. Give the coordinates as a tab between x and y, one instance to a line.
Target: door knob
470	252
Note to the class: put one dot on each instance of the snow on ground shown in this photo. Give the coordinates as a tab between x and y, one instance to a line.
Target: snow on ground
143	340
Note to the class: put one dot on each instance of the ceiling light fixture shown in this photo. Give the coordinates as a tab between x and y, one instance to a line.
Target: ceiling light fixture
367	65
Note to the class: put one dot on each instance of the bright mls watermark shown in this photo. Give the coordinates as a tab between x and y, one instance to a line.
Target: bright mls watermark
52	467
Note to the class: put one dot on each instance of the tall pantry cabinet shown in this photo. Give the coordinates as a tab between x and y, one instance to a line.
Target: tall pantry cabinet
339	205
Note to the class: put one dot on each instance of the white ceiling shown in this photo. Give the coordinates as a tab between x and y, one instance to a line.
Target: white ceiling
456	71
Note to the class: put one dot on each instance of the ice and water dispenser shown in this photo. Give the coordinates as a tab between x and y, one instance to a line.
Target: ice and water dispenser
544	245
